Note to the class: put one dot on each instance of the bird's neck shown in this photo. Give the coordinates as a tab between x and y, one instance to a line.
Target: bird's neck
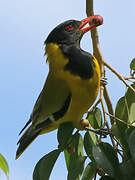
70	58
80	63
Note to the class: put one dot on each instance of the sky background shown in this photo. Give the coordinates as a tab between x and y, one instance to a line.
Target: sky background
24	25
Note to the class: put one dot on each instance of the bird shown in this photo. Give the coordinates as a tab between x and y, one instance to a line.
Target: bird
72	84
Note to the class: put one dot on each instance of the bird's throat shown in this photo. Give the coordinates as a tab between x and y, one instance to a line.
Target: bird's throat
55	57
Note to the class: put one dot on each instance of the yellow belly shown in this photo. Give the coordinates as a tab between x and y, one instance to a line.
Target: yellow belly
84	92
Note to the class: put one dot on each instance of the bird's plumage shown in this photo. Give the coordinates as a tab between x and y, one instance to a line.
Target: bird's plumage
71	87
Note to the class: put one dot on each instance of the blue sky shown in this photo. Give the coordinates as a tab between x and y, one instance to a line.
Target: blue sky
24	27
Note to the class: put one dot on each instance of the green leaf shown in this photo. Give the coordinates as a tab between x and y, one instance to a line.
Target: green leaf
95	118
76	160
132	112
89	171
77	143
131	142
125	111
115	130
91	119
67	158
132	64
45	165
130	100
76	167
98	118
76	146
127	170
64	134
122	113
128	132
90	140
4	165
106	158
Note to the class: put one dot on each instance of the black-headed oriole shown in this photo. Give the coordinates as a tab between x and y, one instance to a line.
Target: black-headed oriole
72	84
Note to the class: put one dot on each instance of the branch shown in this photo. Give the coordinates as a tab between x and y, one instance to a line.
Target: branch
98	54
109	104
118	75
94	35
128	78
117	119
106	122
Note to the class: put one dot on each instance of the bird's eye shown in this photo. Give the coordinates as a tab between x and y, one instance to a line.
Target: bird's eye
69	27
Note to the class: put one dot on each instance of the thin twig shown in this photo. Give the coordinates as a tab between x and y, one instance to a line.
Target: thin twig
106	122
77	131
119	144
94	35
105	115
93	107
102	132
117	119
103	105
118	75
95	176
130	77
120	154
109	104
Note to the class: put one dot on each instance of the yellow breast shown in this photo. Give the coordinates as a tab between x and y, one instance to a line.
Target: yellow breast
84	92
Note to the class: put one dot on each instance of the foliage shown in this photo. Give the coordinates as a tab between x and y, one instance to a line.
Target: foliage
4	165
111	161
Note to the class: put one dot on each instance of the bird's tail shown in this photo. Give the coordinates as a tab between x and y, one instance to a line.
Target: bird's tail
27	138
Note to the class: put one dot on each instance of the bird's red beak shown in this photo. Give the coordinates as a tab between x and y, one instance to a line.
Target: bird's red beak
94	21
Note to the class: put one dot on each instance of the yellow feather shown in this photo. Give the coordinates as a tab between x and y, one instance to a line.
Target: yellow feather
84	92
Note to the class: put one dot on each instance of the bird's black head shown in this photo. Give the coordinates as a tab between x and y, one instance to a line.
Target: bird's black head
65	33
71	31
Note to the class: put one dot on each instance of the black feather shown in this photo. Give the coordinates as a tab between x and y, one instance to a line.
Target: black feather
27	138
